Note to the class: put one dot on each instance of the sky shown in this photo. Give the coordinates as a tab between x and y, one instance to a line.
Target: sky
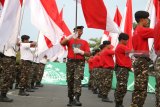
69	16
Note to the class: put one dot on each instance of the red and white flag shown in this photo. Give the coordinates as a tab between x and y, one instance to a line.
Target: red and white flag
126	25
153	7
10	21
118	17
45	17
97	16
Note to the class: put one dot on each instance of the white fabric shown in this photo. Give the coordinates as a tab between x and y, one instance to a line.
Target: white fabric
10	50
25	51
46	26
43	61
9	21
152	16
78	51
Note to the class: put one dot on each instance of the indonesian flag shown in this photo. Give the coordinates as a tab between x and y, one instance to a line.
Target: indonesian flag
97	16
63	26
126	25
118	17
10	21
45	17
153	7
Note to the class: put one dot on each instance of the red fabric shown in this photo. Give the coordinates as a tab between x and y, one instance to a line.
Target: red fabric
157	7
122	59
107	58
78	43
118	17
97	63
107	34
52	10
128	23
140	39
21	1
48	42
95	13
2	1
90	63
157	38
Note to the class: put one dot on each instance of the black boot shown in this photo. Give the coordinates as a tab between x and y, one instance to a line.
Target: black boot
22	93
29	90
106	99
32	86
38	84
119	104
70	103
4	98
16	86
76	100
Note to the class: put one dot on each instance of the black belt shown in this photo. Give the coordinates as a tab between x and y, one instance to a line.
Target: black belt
1	55
27	61
12	57
75	60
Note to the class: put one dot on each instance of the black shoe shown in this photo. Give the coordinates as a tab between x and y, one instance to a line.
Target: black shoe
119	104
22	93
76	101
99	96
4	98
33	87
106	99
16	86
95	92
70	103
38	84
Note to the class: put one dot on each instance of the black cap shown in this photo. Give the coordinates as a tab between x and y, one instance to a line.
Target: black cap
123	36
141	14
25	37
78	27
106	42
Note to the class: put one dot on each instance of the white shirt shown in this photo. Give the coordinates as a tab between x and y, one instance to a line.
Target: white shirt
43	61
25	50
10	50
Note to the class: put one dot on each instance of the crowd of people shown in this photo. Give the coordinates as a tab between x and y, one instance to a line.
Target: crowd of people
102	64
28	73
25	74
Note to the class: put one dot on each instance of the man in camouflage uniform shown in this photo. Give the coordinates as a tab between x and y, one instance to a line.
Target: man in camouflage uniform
1	56
141	66
40	73
8	71
26	64
77	49
157	63
108	66
124	64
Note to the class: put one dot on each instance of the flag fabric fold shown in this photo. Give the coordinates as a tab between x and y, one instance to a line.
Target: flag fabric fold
47	23
10	20
126	25
118	17
97	16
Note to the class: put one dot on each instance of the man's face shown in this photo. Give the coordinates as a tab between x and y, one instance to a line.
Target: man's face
146	22
125	42
80	32
26	41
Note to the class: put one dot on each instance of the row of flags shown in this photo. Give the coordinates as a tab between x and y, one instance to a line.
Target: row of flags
51	26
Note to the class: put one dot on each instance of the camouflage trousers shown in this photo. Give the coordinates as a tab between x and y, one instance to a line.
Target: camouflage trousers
8	71
97	84
1	72
34	73
139	94
122	75
75	73
90	82
106	81
40	71
18	73
26	70
157	68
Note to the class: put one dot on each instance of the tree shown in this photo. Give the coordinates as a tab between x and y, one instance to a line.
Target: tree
94	43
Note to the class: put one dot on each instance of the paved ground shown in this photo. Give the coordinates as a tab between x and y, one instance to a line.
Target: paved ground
56	96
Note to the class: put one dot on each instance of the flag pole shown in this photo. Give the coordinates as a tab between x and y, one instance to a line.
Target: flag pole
21	18
76	13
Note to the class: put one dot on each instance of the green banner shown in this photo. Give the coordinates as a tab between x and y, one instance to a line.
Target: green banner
55	73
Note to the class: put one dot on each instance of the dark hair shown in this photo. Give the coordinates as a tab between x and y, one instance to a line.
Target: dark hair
106	42
24	37
123	36
78	27
141	14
